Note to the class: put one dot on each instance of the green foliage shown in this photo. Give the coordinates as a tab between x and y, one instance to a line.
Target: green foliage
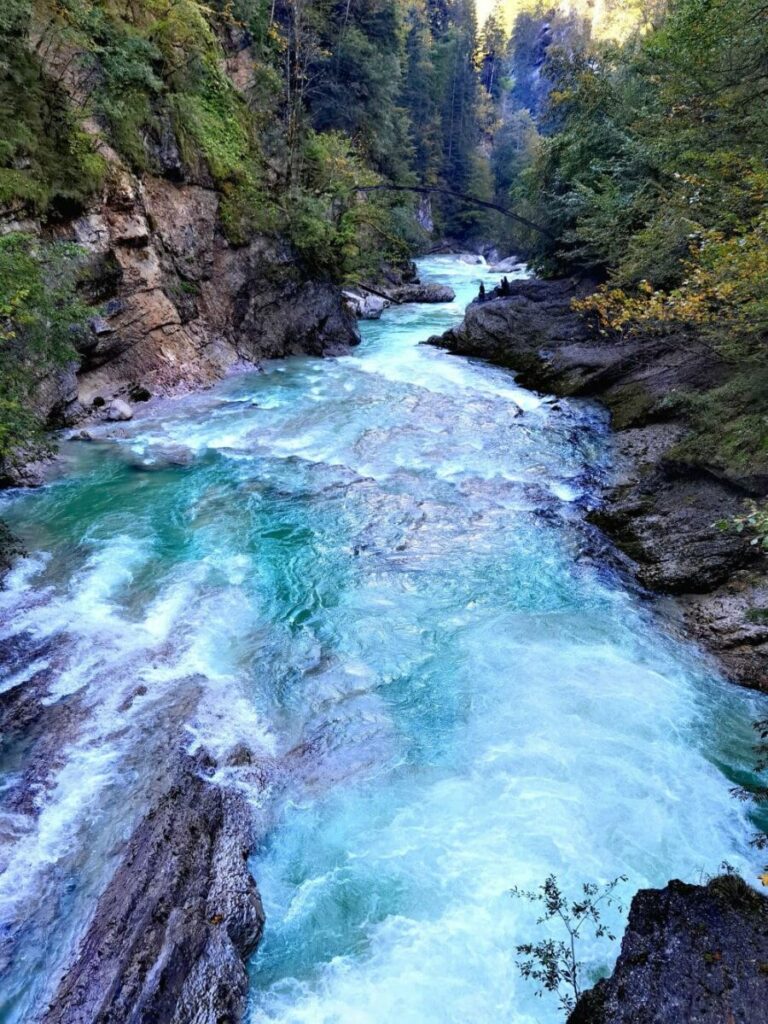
652	160
753	521
554	963
40	315
285	107
47	162
339	233
157	69
650	169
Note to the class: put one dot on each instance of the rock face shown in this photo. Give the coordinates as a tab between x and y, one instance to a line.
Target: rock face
170	934
690	955
662	507
415	291
180	303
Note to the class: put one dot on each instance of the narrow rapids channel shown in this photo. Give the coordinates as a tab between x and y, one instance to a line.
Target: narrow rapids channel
374	571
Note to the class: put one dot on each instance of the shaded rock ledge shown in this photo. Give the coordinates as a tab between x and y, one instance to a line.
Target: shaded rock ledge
393	286
169	938
691	954
661	507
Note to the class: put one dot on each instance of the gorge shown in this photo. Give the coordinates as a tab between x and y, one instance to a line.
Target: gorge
352	595
383	511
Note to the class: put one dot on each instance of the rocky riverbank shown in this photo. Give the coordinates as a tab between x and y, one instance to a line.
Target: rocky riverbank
188	909
181	304
664	502
690	953
170	933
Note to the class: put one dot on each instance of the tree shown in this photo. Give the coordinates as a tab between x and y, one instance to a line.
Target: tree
554	963
492	51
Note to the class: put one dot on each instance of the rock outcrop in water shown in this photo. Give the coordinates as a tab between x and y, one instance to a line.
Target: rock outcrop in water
690	955
395	286
170	934
664	504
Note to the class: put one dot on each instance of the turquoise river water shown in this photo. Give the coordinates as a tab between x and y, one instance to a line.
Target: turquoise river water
374	572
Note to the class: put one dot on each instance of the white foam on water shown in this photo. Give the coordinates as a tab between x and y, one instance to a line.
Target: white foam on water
352	565
579	759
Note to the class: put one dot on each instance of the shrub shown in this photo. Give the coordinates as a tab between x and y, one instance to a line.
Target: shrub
40	315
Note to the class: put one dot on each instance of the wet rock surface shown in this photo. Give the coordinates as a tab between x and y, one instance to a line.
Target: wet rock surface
364	305
661	509
690	955
170	934
416	291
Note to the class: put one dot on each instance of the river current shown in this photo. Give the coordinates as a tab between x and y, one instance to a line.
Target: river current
374	571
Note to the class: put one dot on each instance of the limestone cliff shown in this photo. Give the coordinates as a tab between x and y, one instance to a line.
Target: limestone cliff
181	304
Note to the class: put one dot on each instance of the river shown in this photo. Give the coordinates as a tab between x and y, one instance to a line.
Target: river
380	561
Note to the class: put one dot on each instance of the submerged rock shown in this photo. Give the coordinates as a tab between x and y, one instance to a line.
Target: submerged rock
691	954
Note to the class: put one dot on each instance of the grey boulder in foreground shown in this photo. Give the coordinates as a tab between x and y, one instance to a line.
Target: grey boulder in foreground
691	954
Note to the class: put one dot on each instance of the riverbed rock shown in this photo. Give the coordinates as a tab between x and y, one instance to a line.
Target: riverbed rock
26	471
526	331
365	305
691	954
416	291
118	410
663	505
168	940
510	265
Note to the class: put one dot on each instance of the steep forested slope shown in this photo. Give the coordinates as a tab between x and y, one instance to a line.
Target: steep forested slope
645	160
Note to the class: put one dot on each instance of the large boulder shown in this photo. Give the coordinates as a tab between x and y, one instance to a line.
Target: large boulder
119	410
527	330
365	305
510	265
691	954
416	291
